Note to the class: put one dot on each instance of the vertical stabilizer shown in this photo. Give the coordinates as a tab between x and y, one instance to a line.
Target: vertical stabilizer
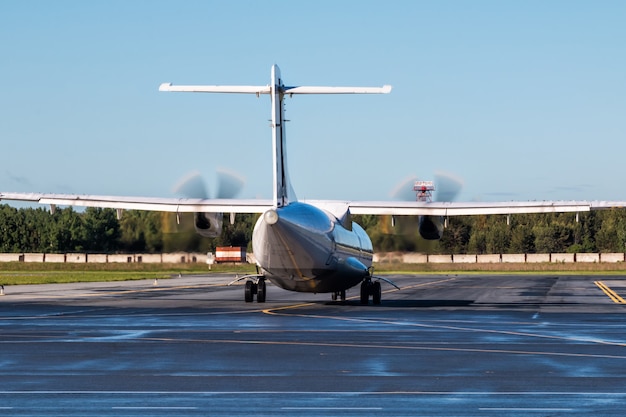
283	191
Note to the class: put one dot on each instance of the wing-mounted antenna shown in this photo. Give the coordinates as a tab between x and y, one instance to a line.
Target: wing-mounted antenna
283	191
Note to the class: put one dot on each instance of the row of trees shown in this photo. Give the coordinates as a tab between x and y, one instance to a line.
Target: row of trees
99	231
596	231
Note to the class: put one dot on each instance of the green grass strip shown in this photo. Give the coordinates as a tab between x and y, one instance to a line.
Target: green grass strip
17	273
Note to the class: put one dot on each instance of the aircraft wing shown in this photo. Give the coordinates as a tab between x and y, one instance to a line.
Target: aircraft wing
420	208
174	205
397	208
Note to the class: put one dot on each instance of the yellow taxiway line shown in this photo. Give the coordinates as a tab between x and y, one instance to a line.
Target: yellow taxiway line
610	293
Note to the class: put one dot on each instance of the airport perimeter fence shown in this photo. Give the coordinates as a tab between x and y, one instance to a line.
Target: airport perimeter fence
408	258
417	258
178	257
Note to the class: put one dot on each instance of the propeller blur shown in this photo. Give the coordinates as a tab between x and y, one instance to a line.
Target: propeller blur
208	224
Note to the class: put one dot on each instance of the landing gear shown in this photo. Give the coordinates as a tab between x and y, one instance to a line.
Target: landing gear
259	289
371	288
377	293
339	294
249	291
365	292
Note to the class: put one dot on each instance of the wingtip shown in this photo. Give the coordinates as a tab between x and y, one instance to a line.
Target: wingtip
165	86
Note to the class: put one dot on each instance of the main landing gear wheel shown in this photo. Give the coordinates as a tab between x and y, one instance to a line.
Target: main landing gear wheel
259	289
377	293
369	288
339	294
249	291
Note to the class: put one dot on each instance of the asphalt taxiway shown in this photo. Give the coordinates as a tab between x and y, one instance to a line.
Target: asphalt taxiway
445	345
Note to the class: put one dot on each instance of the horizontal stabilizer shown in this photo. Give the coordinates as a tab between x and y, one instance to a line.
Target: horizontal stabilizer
266	89
338	90
242	89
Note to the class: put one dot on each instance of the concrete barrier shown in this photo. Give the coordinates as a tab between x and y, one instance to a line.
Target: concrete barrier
175	258
76	258
611	257
440	259
11	257
33	257
563	258
588	257
489	259
104	258
514	258
537	257
183	257
97	258
202	257
387	257
57	258
408	258
464	259
414	258
149	258
121	258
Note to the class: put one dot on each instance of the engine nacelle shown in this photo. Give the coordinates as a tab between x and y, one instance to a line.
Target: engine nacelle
208	224
431	227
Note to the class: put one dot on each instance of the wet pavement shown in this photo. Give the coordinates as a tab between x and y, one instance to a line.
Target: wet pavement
445	345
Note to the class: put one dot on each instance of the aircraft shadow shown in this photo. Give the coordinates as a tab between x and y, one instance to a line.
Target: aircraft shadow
408	303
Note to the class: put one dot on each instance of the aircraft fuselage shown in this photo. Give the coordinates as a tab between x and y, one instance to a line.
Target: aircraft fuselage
303	248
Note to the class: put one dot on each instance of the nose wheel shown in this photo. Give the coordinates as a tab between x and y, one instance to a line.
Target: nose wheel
373	289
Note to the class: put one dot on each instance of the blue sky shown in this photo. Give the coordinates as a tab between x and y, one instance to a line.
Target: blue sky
523	100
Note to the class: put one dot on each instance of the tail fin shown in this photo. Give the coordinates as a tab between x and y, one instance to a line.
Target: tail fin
283	192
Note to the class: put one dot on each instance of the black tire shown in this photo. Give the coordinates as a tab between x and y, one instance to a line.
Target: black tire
377	293
342	295
249	291
365	292
261	291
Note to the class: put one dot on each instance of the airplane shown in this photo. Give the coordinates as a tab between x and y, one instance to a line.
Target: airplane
308	246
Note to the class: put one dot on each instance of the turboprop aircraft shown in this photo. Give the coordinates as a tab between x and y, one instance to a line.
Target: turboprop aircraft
305	246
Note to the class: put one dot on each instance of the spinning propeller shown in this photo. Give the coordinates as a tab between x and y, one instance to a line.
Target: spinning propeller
229	185
447	188
193	186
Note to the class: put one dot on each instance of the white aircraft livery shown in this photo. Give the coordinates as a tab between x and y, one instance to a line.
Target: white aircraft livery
311	246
